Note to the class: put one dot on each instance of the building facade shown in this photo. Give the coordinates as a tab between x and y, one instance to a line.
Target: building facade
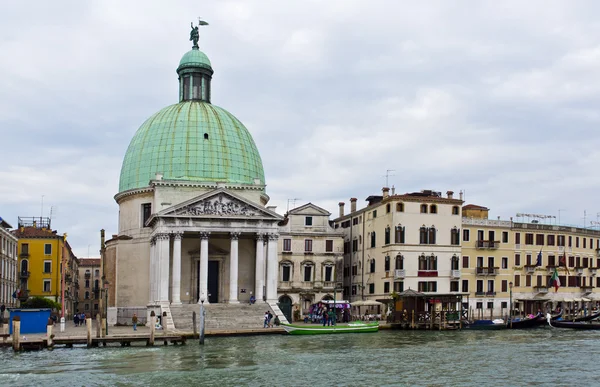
503	260
401	242
8	266
90	280
42	254
194	225
310	255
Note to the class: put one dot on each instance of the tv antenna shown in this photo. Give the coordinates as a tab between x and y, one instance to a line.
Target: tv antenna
293	203
387	176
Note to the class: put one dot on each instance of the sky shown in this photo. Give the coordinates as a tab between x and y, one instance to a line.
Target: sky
498	100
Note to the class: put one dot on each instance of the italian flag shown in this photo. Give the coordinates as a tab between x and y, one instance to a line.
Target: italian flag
555	281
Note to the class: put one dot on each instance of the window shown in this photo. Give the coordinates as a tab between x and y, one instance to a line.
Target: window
87	295
570	241
328	273
286	272
146	212
308	245
539	239
560	240
517	259
400	207
354	270
374	214
577	242
479	305
329	246
479	286
505	262
354	221
387	235
455	210
308	273
490	305
373	239
491	286
399	237
25	248
550	240
454	236
428	262
423	208
372	266
433	209
571	261
528	259
465	235
97	273
517	280
386	287
371	288
354	290
527	280
87	306
287	245
399	286
465	286
430	286
504	236
308	221
503	304
427	235
551	260
518	238
355	245
399	262
465	263
96	307
454	286
387	263
47	286
388	209
454	263
47	266
528	239
87	283
47	249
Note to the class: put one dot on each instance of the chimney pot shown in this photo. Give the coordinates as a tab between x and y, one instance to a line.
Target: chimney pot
393	190
450	193
461	195
386	192
341	204
353	205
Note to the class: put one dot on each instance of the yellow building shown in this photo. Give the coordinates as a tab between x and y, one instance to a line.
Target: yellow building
504	261
42	252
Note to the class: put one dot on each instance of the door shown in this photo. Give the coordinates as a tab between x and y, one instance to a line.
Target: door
213	282
285	304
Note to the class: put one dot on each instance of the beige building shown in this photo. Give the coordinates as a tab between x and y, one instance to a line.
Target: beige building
310	259
400	242
8	266
90	282
499	256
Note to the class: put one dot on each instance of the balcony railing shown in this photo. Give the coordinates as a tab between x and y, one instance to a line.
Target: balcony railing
487	270
586	288
454	273
24	254
24	274
593	270
328	285
530	268
427	273
540	289
399	273
579	270
483	244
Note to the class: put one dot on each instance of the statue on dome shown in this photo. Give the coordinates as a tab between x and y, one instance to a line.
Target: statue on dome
194	34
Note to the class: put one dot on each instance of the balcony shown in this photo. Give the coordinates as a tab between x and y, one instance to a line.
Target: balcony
578	270
399	274
328	285
491	245
586	288
485	294
24	254
88	275
593	271
24	274
540	289
530	269
487	270
455	274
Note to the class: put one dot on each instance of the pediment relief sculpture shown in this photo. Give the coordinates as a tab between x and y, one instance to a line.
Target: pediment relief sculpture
219	206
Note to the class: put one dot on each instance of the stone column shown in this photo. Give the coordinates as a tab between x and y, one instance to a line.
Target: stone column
152	282
163	258
233	269
259	276
203	267
176	291
272	268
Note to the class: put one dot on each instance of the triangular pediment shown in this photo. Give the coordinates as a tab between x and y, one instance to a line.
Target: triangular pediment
309	209
219	203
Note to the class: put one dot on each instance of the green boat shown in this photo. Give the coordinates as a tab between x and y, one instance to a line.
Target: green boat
356	327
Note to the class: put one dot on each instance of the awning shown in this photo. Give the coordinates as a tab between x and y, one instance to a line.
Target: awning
567	299
585	299
577	299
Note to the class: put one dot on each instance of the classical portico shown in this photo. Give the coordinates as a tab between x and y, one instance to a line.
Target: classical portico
236	236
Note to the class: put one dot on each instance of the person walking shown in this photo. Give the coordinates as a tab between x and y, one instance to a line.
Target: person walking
134	321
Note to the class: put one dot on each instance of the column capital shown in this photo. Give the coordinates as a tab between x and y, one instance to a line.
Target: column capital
153	241
273	236
178	235
204	234
260	236
234	235
162	236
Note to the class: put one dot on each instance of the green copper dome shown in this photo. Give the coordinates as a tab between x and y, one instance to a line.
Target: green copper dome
195	58
191	141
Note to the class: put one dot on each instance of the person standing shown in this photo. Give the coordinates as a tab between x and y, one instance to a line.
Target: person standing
134	321
266	322
270	318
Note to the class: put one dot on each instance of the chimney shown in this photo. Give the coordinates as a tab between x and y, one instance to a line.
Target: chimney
353	205
393	191
450	193
461	195
386	192
341	204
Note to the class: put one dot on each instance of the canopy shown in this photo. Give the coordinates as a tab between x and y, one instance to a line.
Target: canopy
567	299
366	303
585	299
577	299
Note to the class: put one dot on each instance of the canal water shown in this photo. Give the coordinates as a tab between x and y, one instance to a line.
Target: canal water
536	357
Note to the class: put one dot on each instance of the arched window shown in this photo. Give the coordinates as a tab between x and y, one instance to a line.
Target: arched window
387	235
427	262
455	210
387	263
87	295
373	239
24	266
423	208
433	209
328	271
454	263
423	235
87	283
431	238
372	266
97	273
399	262
400	207
399	234
455	236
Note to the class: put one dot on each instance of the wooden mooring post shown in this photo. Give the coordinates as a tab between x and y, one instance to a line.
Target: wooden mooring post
412	324
16	333
152	328
98	325
49	335
194	324
88	326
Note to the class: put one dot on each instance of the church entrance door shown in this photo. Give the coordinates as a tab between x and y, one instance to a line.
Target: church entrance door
213	282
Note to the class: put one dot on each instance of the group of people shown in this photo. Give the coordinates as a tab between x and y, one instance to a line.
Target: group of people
79	319
269	320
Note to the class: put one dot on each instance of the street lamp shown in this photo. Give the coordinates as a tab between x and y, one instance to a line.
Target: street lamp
510	286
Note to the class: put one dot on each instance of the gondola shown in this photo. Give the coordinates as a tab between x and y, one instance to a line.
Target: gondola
528	322
574	325
587	318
